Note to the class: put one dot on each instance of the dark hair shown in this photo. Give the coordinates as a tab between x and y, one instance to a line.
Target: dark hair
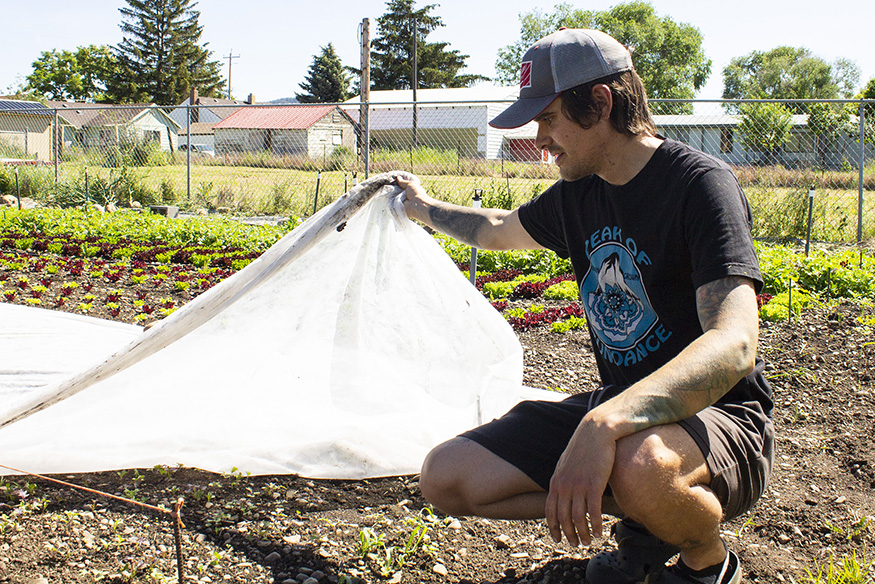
630	114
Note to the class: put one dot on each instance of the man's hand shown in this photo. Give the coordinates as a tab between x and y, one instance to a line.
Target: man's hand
482	227
574	502
415	198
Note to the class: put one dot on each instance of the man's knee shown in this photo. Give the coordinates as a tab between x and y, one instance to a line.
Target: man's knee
439	481
645	468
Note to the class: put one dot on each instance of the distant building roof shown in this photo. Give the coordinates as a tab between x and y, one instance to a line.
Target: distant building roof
197	128
290	117
84	115
702	120
33	108
77	114
221	107
477	93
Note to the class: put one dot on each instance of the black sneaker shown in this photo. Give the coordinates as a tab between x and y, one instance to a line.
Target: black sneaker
638	554
729	573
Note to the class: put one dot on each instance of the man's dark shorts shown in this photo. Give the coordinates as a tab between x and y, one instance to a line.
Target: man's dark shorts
738	441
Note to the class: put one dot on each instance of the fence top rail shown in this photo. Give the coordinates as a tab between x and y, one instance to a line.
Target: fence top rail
465	103
770	100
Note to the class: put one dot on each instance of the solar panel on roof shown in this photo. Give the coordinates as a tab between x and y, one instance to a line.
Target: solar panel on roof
31	107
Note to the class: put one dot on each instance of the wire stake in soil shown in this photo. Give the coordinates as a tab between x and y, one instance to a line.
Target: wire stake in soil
175	514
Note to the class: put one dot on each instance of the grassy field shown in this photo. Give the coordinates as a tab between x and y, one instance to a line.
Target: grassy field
271	185
288	191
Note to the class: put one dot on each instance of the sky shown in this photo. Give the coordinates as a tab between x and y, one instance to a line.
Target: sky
274	41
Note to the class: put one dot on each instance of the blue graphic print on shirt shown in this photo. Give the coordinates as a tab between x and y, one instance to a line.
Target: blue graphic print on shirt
619	311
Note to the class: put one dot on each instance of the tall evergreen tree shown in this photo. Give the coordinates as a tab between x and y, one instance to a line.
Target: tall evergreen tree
160	56
392	51
327	81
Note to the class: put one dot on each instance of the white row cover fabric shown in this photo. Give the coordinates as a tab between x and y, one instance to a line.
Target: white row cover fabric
336	354
40	347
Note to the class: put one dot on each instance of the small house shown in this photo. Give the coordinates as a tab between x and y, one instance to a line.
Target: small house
93	125
307	130
26	129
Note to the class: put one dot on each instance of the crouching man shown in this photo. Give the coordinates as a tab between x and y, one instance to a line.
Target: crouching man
679	436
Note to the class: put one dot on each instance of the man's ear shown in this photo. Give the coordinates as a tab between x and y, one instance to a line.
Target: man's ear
603	100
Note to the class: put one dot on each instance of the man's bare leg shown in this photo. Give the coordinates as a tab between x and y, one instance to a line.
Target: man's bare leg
461	477
659	480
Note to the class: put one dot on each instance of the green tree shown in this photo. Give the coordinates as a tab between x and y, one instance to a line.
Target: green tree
668	55
392	51
327	81
788	73
160	56
78	75
826	121
868	92
765	128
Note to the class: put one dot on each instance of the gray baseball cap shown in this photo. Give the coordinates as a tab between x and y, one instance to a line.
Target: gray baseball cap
565	59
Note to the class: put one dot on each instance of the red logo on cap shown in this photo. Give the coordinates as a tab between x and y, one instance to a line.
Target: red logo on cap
526	74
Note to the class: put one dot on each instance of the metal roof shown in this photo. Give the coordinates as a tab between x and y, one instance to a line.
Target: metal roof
289	117
31	108
456	95
702	120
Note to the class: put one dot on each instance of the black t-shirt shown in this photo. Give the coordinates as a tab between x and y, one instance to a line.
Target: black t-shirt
639	252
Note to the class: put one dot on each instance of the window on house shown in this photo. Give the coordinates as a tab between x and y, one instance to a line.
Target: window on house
152	135
726	140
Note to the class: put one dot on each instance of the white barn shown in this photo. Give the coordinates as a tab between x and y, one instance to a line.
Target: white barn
446	119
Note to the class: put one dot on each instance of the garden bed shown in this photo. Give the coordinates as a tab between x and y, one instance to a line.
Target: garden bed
818	508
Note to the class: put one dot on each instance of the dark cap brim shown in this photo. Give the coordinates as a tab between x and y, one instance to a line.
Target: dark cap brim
522	111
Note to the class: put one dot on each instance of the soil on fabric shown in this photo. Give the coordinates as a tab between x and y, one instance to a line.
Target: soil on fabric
819	507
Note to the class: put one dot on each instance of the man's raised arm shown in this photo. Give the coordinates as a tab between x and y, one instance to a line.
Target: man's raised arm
495	229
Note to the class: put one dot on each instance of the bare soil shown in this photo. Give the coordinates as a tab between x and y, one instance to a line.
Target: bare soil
819	506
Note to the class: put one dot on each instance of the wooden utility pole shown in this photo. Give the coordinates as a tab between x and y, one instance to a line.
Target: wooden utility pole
415	81
365	98
231	56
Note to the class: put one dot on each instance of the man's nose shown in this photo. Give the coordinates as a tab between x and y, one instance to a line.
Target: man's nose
542	139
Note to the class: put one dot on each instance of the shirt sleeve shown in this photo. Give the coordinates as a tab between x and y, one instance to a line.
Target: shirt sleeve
542	218
718	230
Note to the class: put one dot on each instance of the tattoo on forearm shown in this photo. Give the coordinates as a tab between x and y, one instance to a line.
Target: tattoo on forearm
710	299
462	225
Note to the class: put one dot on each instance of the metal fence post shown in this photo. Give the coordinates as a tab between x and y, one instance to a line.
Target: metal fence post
56	141
188	149
861	165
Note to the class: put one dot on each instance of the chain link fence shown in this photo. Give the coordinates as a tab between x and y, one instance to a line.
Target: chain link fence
804	164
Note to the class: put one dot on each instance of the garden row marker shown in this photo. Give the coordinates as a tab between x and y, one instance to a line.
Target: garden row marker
175	514
17	189
316	196
201	309
472	269
810	210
